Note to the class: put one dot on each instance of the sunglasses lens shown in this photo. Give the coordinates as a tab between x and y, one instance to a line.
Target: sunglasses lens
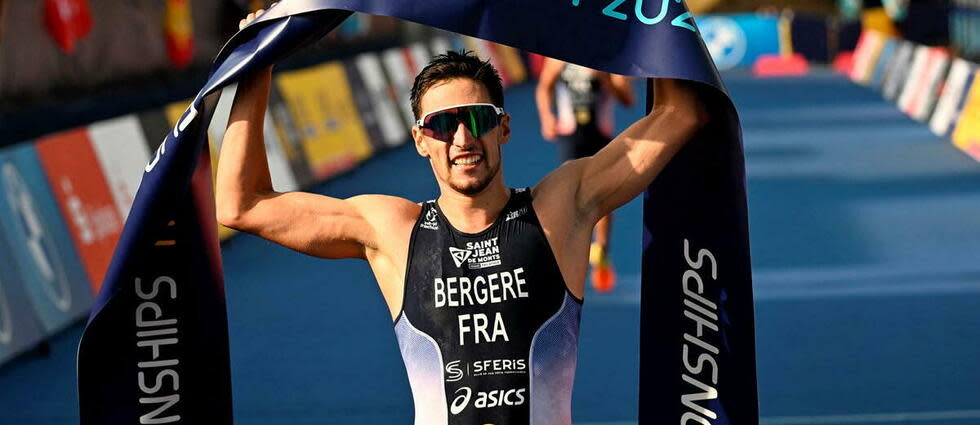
442	125
478	119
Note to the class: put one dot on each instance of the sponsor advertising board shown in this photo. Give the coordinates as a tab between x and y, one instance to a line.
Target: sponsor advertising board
967	133
53	276
922	100
898	70
19	328
393	130
737	41
402	77
84	198
881	66
866	56
922	90
122	151
950	103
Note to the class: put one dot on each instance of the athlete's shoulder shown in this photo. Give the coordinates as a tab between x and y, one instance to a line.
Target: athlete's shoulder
556	197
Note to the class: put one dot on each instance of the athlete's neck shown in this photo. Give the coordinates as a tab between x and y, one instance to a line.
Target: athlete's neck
474	213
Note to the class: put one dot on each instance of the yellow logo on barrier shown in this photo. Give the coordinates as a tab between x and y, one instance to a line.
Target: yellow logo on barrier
967	133
326	116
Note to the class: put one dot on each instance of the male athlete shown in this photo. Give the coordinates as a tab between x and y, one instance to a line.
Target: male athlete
485	283
584	98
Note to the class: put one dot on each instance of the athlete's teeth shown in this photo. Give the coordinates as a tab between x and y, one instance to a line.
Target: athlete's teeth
467	161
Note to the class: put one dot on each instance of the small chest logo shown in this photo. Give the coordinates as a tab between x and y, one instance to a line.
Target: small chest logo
477	255
430	222
453	371
459	255
516	214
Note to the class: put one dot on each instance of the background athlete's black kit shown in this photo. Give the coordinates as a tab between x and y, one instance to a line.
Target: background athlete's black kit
488	329
585	113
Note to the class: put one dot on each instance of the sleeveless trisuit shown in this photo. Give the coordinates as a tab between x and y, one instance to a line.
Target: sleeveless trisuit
488	330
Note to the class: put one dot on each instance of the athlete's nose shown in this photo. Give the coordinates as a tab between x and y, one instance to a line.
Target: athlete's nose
462	138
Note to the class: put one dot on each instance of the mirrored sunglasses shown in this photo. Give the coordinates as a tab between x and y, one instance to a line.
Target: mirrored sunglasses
478	118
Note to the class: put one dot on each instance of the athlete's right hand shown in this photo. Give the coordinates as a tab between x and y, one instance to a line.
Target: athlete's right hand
252	16
242	24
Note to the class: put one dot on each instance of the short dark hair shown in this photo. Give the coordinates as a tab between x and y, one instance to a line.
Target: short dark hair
451	65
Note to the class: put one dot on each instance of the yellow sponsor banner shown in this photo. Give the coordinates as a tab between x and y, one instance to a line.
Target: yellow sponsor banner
967	133
173	112
320	102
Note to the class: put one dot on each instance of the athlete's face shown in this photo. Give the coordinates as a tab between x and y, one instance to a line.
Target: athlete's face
466	164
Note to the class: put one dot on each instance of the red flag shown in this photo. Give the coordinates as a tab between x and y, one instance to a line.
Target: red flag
68	21
178	30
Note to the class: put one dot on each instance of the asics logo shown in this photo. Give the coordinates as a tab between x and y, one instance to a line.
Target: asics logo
487	399
461	400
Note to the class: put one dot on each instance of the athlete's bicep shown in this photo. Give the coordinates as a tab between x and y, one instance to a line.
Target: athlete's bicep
313	224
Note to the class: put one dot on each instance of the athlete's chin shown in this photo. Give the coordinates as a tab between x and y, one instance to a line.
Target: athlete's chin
474	181
471	187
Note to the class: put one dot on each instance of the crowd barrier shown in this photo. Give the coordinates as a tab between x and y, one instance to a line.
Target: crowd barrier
65	197
928	83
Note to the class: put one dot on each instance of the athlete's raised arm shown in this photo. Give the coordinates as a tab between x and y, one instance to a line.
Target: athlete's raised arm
309	223
627	165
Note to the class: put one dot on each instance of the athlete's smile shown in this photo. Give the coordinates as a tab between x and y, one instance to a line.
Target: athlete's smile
466	161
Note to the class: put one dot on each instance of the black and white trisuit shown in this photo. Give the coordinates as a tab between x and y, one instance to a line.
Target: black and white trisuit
488	329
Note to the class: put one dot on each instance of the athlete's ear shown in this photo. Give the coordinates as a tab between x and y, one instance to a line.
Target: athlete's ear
505	129
419	145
